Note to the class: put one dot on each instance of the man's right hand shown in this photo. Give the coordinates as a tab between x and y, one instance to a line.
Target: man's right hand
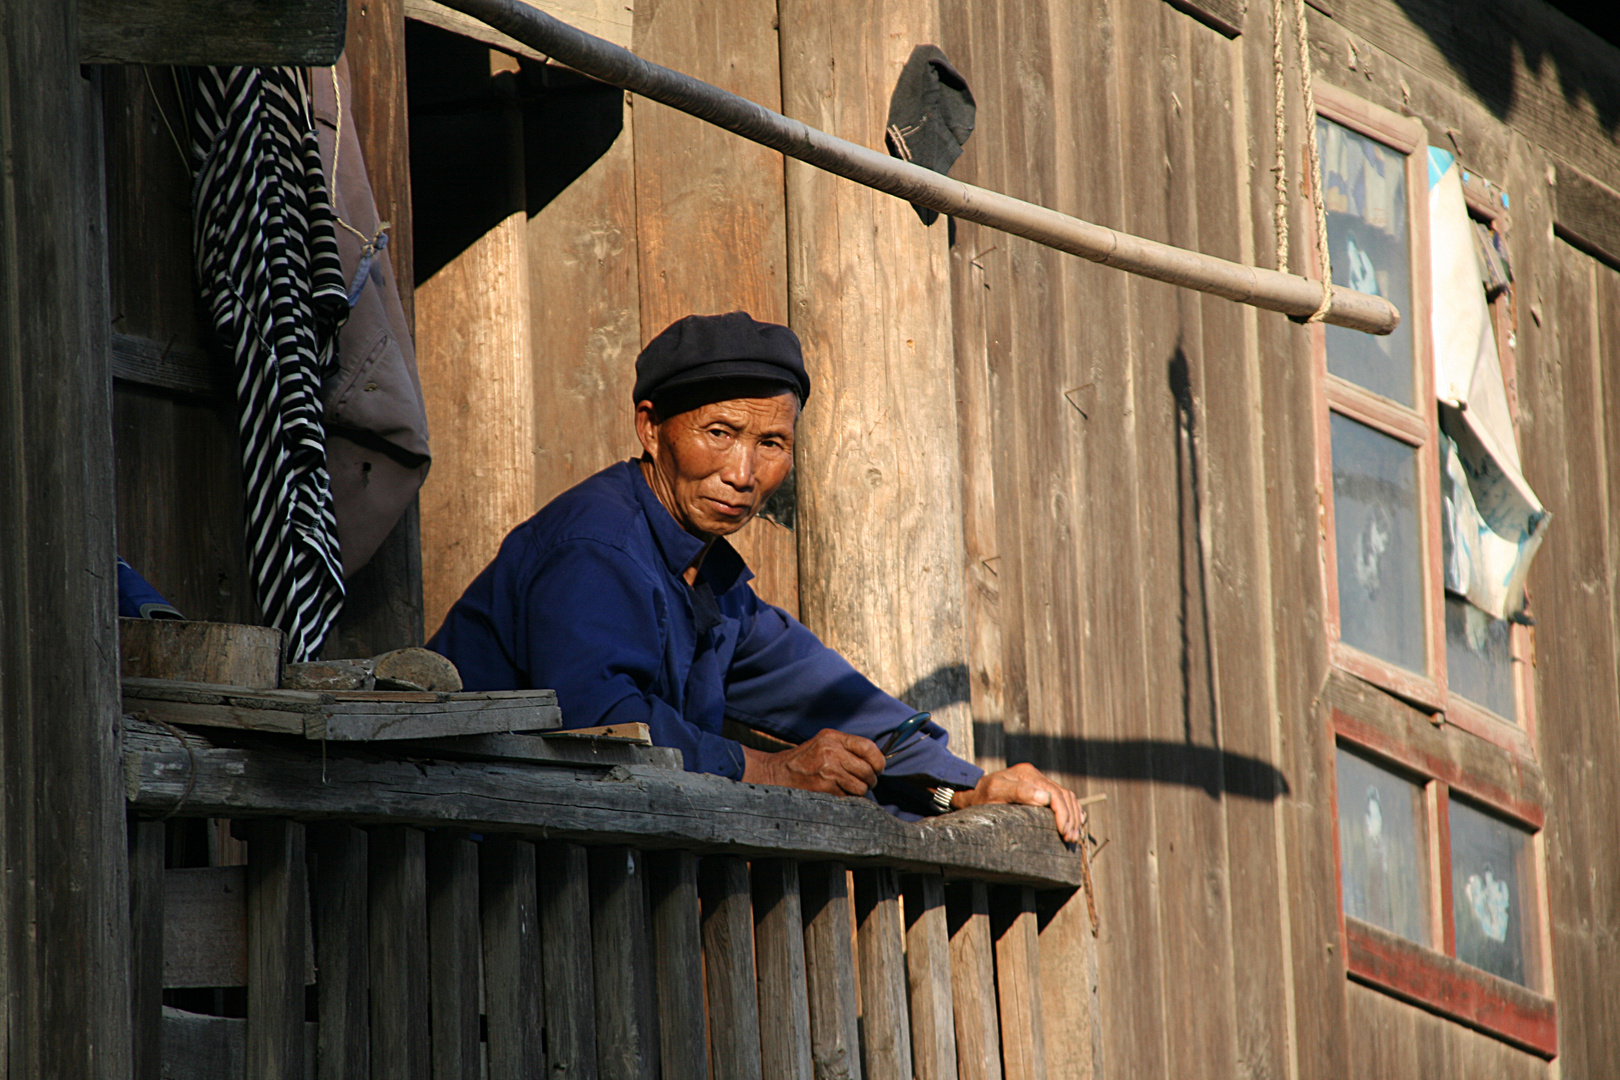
832	761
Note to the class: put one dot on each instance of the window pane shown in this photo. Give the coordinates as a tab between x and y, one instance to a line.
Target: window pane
1490	887
1383	845
1479	657
1364	188
1378	544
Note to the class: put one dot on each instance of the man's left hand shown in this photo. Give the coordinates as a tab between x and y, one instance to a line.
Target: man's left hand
1026	785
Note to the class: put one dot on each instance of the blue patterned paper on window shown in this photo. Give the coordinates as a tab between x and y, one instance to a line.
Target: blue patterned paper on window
1383	862
1364	189
1488	869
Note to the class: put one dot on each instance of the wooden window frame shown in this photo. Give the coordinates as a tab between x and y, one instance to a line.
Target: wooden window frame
1427	750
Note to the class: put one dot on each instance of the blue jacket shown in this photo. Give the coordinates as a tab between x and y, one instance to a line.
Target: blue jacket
587	598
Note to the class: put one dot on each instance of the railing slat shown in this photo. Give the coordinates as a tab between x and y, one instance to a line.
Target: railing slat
784	1008
507	900
885	1026
277	928
565	946
677	943
626	1035
453	944
973	982
829	968
728	952
928	974
146	844
1018	982
397	866
342	952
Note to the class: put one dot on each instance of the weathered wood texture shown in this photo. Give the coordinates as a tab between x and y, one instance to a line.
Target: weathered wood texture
233	654
264	33
679	931
973	982
928	979
829	967
626	1015
453	954
881	963
563	872
64	903
779	964
198	1047
728	961
146	923
277	918
205	927
400	1025
879	519
382	604
511	935
1006	843
338	886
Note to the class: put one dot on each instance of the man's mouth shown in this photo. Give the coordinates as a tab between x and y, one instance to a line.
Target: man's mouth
728	509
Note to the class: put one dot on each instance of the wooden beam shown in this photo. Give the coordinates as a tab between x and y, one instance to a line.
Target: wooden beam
278	925
626	1017
342	950
728	960
928	976
507	894
146	844
885	1024
1587	214
784	1008
397	905
829	969
973	982
653	808
569	998
672	879
261	33
453	949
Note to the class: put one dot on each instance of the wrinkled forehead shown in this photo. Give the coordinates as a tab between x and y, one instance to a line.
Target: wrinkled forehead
729	396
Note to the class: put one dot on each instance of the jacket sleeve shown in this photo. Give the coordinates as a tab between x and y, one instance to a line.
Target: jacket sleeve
783	680
594	628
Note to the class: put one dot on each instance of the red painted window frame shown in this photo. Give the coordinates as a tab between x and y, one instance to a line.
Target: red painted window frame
1432	978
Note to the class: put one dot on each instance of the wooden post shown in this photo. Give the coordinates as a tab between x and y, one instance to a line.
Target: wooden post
626	1019
885	1027
928	975
880	509
263	33
1018	982
277	930
672	878
507	894
829	969
398	939
146	844
973	982
342	952
453	947
784	1007
64	898
569	1007
728	954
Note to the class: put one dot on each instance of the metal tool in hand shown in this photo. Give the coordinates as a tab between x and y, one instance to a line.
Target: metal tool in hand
904	732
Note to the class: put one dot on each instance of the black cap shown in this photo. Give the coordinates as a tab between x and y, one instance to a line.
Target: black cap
734	347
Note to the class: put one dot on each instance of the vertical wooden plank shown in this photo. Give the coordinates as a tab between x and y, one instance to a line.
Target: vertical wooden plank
626	1015
563	873
829	967
277	931
1018	982
710	221
973	982
146	850
728	958
677	941
928	978
885	1026
784	1004
507	897
1071	1004
453	947
342	952
869	294
397	913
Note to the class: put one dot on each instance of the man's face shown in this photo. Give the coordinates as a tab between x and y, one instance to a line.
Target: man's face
713	467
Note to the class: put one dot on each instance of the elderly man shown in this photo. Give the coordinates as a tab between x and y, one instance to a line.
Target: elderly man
623	595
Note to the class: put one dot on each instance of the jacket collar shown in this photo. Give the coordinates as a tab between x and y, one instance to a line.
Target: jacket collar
722	568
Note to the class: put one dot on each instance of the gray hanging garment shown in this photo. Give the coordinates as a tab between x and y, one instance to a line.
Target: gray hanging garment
930	115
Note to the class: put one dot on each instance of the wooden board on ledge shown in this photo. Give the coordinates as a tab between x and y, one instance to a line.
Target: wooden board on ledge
360	716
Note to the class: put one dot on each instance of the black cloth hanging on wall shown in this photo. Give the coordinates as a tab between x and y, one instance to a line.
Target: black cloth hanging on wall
272	281
930	115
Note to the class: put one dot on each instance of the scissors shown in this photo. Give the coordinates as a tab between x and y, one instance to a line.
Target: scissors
905	731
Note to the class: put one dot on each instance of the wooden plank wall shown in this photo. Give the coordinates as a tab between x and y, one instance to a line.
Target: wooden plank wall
1143	602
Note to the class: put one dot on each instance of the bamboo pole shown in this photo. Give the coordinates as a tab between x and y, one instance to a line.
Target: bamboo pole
1288	293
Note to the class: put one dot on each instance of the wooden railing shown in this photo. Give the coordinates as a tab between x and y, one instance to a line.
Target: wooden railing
563	912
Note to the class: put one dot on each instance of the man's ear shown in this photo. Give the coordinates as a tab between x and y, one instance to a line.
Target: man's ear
647	427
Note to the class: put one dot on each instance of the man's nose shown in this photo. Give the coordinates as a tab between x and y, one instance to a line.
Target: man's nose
738	470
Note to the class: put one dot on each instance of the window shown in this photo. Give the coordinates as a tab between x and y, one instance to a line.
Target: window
1438	840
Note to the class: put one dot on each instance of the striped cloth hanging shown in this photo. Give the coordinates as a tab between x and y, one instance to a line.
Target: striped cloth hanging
270	276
